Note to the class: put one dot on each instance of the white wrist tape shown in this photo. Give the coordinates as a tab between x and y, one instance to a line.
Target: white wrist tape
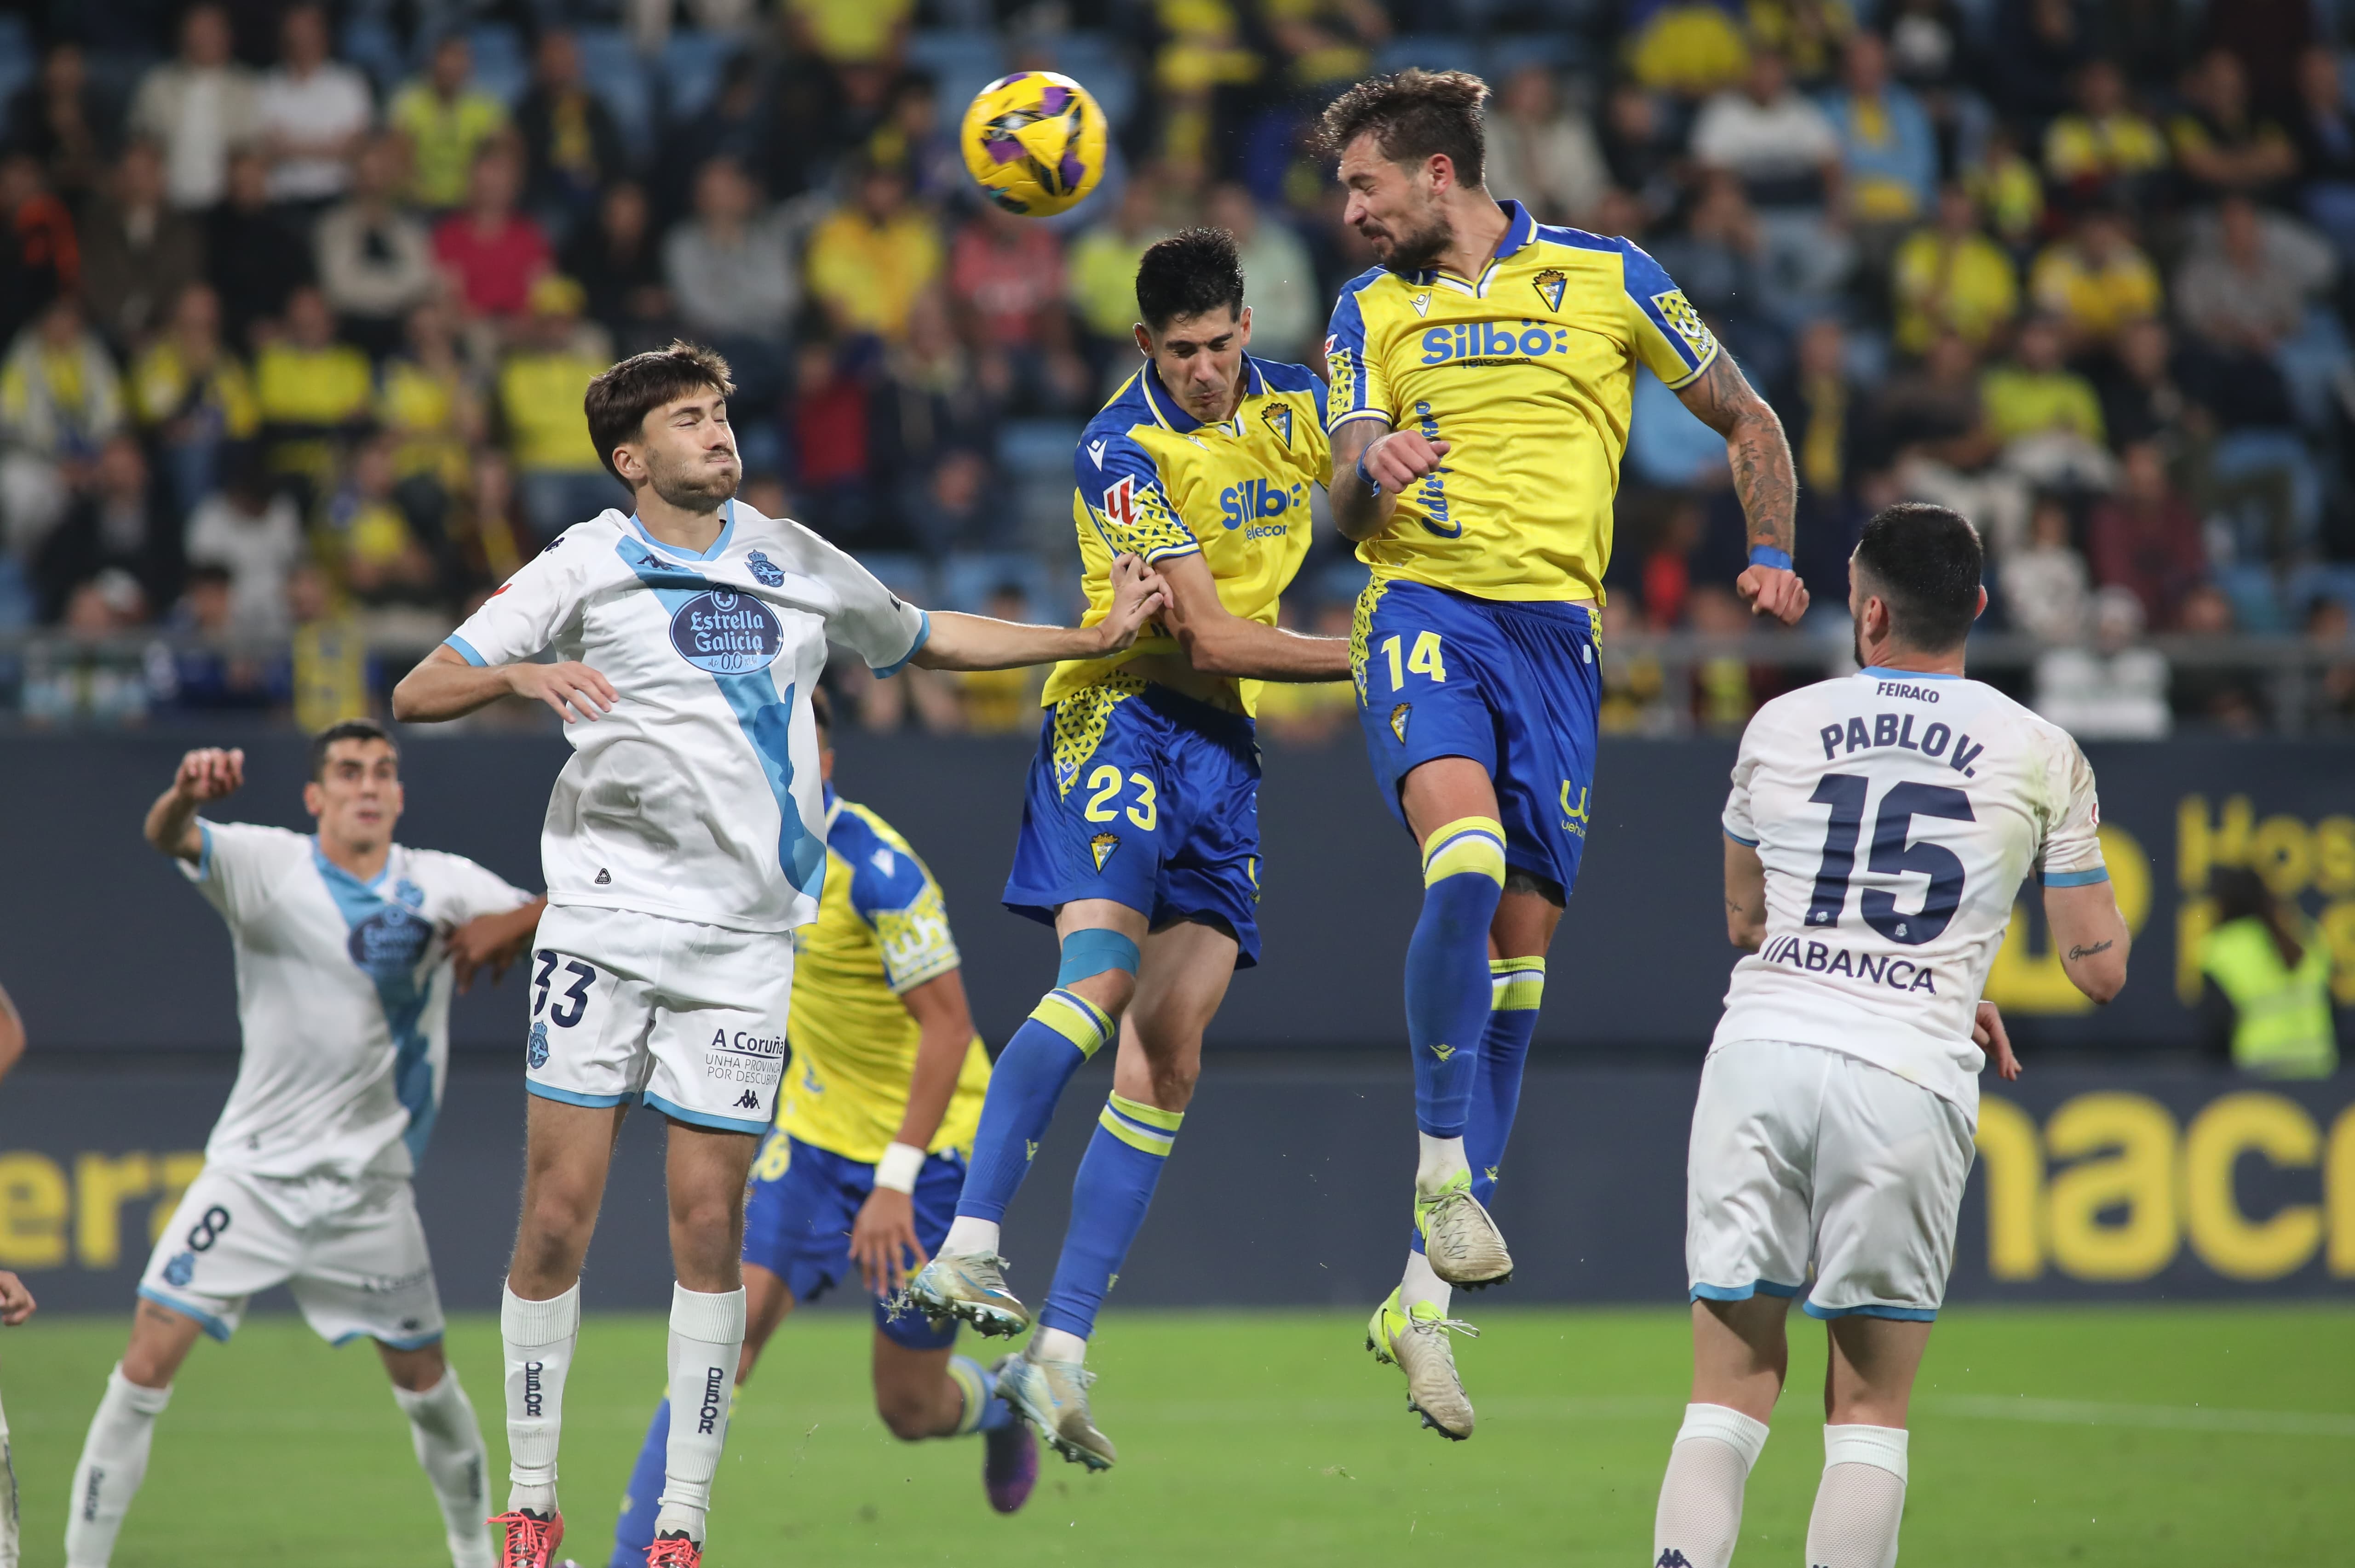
898	1167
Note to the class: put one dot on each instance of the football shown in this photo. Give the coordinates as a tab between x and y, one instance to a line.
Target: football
1035	141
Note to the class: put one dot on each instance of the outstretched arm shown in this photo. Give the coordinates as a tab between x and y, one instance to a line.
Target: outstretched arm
445	686
1722	398
977	642
1219	642
204	776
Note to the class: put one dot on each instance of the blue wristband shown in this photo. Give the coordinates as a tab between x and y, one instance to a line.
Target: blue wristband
1768	556
1371	481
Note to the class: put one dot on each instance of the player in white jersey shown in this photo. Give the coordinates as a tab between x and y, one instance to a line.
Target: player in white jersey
1878	830
348	946
16	1305
685	840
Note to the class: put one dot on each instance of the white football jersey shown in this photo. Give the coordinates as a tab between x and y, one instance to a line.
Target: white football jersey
1897	815
697	797
343	999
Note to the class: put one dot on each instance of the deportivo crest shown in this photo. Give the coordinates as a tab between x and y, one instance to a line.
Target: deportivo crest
1279	419
181	1269
1550	285
1678	313
1101	846
768	573
535	1049
1398	721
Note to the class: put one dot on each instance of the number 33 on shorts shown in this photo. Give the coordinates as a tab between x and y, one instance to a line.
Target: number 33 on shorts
564	991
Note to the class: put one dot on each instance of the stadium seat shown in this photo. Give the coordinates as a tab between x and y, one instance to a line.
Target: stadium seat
960	62
618	78
501	65
370	44
690	69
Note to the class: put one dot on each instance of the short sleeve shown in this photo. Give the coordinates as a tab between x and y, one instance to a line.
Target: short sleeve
242	866
476	890
869	619
522	613
1669	336
2071	855
897	897
1356	390
1119	484
1739	824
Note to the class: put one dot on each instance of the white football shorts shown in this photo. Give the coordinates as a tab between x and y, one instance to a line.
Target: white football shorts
352	1249
1804	1158
687	1020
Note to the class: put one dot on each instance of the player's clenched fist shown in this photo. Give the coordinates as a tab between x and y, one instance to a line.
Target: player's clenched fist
1773	590
1138	595
1401	458
209	774
571	688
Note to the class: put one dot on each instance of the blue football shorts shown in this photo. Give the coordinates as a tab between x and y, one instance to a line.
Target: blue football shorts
1513	686
1149	799
797	1225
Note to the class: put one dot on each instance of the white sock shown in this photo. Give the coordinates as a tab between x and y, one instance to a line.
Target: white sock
707	1339
1440	1161
539	1338
8	1533
1699	1517
1057	1345
967	1235
449	1446
114	1463
1862	1501
1421	1283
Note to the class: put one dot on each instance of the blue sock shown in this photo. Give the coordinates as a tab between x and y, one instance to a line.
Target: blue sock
983	1410
1447	980
1109	1199
635	1530
1518	986
1063	1030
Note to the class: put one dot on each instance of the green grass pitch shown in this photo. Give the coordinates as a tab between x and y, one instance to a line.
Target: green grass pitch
2146	1436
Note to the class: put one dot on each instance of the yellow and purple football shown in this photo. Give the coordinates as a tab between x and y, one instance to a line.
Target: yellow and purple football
1035	143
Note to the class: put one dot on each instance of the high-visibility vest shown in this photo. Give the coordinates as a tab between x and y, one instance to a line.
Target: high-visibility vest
2283	1028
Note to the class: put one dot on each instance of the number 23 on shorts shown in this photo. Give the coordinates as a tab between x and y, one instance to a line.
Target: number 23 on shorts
1423	658
1105	786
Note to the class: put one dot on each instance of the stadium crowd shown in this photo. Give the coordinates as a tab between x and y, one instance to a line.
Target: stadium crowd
298	303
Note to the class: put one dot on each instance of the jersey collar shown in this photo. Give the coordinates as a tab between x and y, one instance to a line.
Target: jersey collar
1171	415
334	873
718	546
1521	229
1880	673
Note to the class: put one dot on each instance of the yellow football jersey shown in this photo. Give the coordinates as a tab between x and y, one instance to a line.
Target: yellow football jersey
1528	372
881	931
1155	482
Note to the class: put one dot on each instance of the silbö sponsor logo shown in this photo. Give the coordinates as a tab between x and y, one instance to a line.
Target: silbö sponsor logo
726	633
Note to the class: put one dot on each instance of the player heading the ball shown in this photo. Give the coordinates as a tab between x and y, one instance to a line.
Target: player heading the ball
685	841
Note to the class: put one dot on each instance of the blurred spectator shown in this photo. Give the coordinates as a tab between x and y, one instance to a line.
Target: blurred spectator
58	118
849	32
446	119
1951	278
1310	713
2044	583
2095	281
374	549
2145	540
41	257
1809	33
736	124
312	112
1006	276
375	260
428	405
1103	270
2222	143
1688	47
619	267
119	523
490	251
2141	400
254	534
1667	573
93	678
1888	152
1280	276
327	659
1539	152
137	253
215	674
912	138
2115	689
1933	422
1001	702
1786	153
1821	411
312	390
650	20
2104	149
2265	975
827	427
2007	188
199	109
192	398
2330	632
2266	37
1667	447
559	477
2044	413
1928	47
2248	276
2208	696
571	145
2039	45
60	403
932	434
255	257
1640	150
1726	687
869	259
730	272
1720	262
491	536
2325	147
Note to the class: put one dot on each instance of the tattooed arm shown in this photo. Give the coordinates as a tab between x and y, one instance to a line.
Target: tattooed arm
1745	896
1763	477
2091	936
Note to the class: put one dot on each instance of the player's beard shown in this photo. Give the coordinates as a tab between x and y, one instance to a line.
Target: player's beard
697	489
1419	250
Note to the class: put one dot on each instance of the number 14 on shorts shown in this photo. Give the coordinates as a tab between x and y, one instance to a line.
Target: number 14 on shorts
1423	658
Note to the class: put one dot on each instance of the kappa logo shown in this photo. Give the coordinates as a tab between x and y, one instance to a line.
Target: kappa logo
534	1050
1101	846
748	1100
1678	313
1279	419
1421	303
767	571
1398	720
1444	1053
1096	453
1550	285
1672	1558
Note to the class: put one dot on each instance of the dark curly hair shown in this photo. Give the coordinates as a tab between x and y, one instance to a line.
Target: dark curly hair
1413	115
1193	272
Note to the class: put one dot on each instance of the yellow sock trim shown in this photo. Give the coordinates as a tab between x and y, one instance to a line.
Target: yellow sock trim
1152	1116
1157	1144
1469	846
1517	984
967	1377
1075	1018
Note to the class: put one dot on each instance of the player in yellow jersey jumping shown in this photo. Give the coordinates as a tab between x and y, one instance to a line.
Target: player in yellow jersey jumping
1481	382
875	1120
1140	832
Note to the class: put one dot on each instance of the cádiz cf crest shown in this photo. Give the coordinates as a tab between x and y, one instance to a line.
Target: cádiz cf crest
1101	846
1550	284
1398	721
1279	419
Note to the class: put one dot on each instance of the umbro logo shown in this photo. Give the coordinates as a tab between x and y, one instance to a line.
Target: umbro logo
605	877
748	1100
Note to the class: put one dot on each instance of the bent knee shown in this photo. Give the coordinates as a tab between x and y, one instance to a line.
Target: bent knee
906	1417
